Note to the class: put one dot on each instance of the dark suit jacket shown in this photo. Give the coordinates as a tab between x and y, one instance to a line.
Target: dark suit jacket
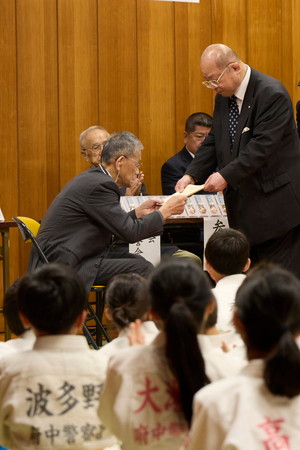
173	169
78	227
263	166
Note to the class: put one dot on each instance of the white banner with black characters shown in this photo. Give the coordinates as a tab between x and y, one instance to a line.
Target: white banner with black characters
148	248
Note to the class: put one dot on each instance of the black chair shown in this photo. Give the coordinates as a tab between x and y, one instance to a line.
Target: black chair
29	228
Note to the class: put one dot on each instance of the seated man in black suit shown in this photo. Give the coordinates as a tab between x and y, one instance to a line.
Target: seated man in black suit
197	127
91	143
85	218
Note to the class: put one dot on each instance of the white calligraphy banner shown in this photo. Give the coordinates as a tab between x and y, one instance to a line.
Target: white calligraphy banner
148	248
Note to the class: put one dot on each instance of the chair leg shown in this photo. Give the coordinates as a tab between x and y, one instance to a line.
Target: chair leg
89	337
93	315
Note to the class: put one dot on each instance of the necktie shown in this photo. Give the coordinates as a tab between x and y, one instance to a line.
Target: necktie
233	117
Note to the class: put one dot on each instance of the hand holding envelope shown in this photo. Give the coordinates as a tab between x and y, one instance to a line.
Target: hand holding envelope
189	190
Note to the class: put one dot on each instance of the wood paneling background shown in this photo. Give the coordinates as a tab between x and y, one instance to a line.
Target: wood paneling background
123	64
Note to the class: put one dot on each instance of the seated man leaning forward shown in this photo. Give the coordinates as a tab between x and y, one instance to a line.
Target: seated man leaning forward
92	141
82	222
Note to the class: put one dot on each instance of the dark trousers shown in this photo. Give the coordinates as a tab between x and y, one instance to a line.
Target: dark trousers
284	251
121	262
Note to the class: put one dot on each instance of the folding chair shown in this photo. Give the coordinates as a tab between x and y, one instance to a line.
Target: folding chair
29	228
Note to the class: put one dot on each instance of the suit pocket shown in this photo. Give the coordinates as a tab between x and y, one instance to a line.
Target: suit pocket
275	183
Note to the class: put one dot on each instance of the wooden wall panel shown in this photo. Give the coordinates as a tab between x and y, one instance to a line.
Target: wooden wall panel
192	34
37	109
31	107
51	100
265	37
118	73
156	86
78	80
8	111
8	131
229	24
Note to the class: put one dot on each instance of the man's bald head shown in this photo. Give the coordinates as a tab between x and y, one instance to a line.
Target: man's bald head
222	69
220	54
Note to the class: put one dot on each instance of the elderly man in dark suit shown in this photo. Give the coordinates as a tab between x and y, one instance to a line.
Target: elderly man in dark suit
254	144
197	127
82	222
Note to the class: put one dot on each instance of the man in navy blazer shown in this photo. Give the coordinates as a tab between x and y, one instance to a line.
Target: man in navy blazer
197	127
86	217
258	169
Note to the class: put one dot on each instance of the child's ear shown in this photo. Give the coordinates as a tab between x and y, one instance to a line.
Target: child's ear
79	321
25	321
212	273
154	316
107	313
211	306
247	265
238	325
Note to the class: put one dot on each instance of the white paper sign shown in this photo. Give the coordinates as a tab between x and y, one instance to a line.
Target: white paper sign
212	225
1	216
148	248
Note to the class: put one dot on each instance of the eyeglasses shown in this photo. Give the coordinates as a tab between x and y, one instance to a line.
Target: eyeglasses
95	147
137	164
213	84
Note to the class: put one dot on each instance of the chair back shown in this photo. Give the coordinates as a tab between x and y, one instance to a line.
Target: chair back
29	229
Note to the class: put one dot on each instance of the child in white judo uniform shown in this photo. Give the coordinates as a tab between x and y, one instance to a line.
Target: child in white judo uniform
49	396
260	408
127	300
147	398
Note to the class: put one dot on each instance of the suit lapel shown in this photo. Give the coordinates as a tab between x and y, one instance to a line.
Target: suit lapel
186	157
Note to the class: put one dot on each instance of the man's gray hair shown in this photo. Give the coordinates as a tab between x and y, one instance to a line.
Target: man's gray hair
118	144
83	135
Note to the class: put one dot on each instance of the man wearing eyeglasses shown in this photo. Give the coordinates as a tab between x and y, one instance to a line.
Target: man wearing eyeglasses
254	144
91	143
84	219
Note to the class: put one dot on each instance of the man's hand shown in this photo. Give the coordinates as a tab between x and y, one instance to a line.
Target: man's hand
135	334
183	182
147	207
215	182
173	206
135	186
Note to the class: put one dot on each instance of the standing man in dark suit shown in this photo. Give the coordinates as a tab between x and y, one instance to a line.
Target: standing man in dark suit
197	127
254	144
82	222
